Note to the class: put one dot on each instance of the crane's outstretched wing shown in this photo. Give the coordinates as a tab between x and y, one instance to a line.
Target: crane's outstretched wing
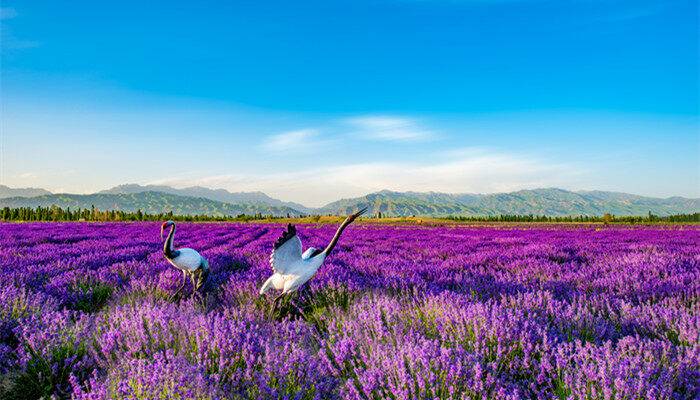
287	251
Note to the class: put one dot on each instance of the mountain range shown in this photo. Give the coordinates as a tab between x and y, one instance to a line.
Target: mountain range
149	202
252	198
27	192
201	200
551	201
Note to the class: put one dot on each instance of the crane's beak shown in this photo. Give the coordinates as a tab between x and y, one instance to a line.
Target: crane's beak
162	227
357	214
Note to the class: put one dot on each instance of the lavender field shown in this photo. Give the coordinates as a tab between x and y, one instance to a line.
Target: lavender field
396	312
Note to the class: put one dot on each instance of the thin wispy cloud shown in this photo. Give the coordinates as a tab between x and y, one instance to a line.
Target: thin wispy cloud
12	43
469	2
8	40
227	181
56	173
615	14
293	141
632	13
390	128
478	172
27	175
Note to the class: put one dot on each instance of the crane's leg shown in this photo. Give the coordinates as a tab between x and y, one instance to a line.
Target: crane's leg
194	285
278	298
197	283
184	281
275	305
301	312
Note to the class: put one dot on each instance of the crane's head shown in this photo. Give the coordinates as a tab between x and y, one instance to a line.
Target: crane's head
165	225
352	217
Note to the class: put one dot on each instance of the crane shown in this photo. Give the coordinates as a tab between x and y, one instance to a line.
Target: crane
189	261
291	267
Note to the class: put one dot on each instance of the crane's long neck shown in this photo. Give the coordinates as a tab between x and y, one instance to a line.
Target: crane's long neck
331	245
168	247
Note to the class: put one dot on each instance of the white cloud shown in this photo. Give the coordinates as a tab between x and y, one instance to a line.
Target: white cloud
390	128
232	182
485	173
292	141
27	175
473	171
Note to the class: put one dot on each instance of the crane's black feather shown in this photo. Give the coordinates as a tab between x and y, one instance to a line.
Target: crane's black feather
290	233
315	253
204	271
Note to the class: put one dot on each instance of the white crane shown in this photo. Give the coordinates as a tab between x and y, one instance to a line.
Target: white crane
189	261
292	268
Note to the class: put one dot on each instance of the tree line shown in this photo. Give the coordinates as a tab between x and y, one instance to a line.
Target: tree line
55	213
606	219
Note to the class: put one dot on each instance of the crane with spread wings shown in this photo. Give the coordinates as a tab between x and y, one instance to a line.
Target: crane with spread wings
291	267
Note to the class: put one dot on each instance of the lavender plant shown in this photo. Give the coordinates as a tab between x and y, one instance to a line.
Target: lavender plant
397	312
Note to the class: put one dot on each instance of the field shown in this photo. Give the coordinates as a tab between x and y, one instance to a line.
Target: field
396	312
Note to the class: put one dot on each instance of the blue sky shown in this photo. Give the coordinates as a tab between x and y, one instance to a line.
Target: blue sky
313	101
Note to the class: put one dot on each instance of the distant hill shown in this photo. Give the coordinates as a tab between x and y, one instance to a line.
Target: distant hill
200	200
150	202
405	204
553	202
26	192
252	198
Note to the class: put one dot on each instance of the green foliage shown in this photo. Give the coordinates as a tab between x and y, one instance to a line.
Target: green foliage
43	376
607	218
92	295
58	214
55	213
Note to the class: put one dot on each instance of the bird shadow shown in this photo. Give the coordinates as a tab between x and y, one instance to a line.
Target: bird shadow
291	306
212	292
308	305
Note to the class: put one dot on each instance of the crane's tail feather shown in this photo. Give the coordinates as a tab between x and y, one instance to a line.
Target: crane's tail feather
266	286
202	280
